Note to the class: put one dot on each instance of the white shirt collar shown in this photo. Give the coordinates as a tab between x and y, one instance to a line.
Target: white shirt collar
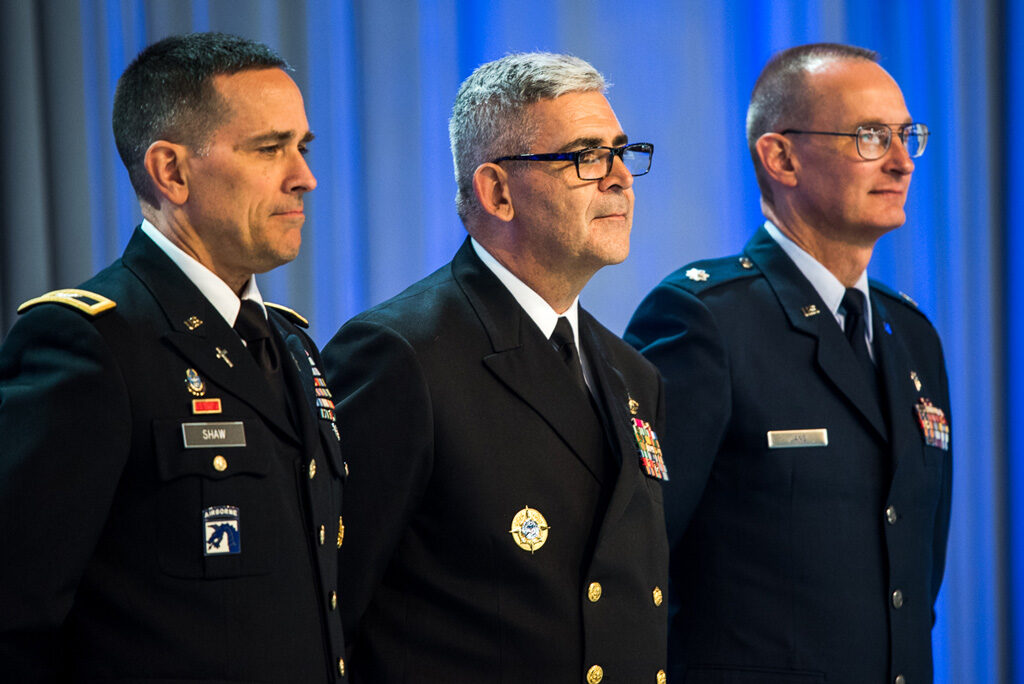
539	311
828	287
209	283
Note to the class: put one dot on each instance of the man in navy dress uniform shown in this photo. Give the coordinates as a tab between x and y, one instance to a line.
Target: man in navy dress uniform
170	471
807	404
503	513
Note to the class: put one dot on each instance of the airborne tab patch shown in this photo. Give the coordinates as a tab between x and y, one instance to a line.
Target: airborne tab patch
87	302
220	531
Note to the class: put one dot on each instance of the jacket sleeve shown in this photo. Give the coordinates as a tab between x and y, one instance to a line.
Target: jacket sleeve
385	419
65	426
674	330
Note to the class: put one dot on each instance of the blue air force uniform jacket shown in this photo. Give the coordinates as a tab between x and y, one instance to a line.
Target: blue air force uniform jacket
814	555
138	545
457	415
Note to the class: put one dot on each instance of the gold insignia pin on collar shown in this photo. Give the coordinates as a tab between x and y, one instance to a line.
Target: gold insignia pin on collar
529	529
193	322
222	354
811	310
745	262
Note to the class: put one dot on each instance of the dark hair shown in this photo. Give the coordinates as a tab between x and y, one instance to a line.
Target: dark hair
781	97
167	93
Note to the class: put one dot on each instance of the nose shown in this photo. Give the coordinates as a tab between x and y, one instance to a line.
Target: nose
301	178
618	176
897	159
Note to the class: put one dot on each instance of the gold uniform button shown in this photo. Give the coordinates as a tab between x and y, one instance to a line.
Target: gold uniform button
341	530
594	592
595	674
341	666
657	596
334	600
661	678
220	464
323	535
312	468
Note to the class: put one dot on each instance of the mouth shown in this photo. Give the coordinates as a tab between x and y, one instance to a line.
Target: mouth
291	213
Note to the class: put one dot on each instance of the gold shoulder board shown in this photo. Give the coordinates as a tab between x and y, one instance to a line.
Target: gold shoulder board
291	314
83	300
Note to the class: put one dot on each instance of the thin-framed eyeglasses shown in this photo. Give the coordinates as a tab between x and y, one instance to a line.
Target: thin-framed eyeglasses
873	140
595	163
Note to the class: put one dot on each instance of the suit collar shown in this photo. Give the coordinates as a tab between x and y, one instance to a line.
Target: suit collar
808	313
199	332
525	362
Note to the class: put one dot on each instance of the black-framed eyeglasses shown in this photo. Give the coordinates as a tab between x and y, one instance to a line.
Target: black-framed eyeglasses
595	163
873	140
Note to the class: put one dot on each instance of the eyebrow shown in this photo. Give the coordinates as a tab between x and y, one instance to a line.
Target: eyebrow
274	137
585	143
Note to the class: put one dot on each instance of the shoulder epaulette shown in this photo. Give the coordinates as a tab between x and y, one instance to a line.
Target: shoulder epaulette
87	302
704	275
901	297
291	314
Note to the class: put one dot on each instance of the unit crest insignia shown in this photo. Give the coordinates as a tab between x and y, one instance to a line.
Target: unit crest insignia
529	529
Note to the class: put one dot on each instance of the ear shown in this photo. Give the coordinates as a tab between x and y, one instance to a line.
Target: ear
776	154
166	164
490	183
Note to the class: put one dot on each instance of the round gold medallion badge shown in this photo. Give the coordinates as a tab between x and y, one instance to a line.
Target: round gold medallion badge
529	529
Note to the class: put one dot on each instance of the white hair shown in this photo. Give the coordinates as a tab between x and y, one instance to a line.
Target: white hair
490	119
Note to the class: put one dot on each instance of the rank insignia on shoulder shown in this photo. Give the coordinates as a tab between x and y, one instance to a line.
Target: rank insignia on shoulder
291	314
934	426
697	274
650	450
83	300
908	299
529	529
746	263
221	531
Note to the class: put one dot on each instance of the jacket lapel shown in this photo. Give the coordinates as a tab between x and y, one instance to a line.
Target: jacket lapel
835	358
614	395
894	363
525	362
210	345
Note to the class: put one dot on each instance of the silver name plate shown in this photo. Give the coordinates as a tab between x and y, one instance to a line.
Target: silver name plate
789	439
199	435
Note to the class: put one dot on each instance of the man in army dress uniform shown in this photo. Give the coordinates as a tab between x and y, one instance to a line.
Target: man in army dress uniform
503	513
170	472
810	405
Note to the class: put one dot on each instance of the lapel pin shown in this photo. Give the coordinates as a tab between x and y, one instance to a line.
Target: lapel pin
529	529
745	262
193	322
916	380
811	310
194	383
634	406
888	328
222	354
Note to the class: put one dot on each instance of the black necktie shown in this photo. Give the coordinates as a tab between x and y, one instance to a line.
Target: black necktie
564	343
252	326
855	326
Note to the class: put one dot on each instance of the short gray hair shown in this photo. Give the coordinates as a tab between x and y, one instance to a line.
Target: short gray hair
489	118
781	97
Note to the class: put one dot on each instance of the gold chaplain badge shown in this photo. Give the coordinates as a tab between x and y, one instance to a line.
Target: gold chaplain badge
529	529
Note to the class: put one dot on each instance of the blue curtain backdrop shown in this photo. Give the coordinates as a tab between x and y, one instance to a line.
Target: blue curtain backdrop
379	78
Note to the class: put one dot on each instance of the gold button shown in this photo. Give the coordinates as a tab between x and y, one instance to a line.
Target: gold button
312	469
594	592
323	534
595	674
334	600
900	679
341	531
657	596
661	678
220	464
341	666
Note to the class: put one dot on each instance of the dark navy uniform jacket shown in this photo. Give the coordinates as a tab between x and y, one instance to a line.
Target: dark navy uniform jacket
136	550
797	563
456	414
